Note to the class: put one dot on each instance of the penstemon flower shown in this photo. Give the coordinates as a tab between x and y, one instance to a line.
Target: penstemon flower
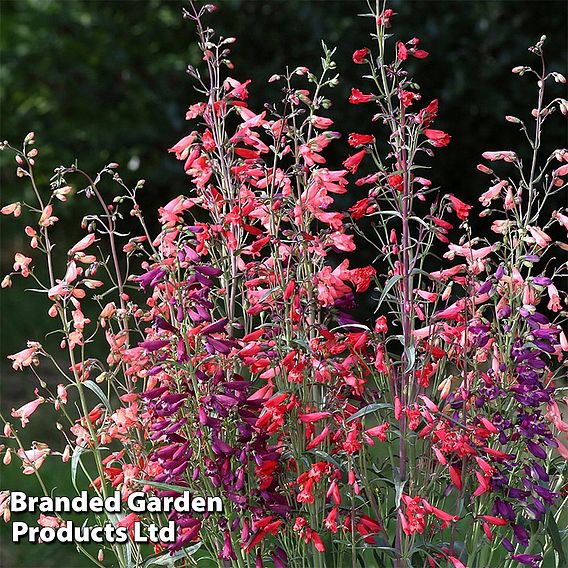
429	433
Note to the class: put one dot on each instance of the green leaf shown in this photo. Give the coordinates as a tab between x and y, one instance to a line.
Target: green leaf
421	221
399	487
98	391
373	407
324	455
75	458
554	533
390	283
411	358
164	486
352	325
169	560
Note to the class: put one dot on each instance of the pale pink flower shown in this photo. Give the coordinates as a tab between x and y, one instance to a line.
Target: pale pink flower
468	252
447	273
5	505
561	171
25	357
492	193
83	243
47	521
505	155
21	264
12	209
516	278
92	284
66	456
562	219
321	122
501	226
85	258
529	298
562	449
330	286
61	193
25	411
79	319
509	202
62	393
555	416
428	296
59	290
563	341
47	219
82	435
71	273
183	147
32	459
539	236
342	241
554	302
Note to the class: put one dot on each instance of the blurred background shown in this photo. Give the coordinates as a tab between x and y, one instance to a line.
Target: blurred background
102	81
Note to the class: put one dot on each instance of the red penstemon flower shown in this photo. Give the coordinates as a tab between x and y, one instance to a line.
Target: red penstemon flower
360	55
358	97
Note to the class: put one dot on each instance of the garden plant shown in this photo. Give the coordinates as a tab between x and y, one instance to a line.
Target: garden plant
429	433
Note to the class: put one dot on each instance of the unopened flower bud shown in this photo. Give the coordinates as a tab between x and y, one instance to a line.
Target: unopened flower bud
521	70
61	193
101	378
66	453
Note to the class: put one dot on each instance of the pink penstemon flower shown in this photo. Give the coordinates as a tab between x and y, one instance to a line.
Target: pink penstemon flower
25	411
33	459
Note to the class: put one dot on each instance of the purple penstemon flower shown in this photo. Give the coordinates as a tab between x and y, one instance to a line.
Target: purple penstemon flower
532	560
151	278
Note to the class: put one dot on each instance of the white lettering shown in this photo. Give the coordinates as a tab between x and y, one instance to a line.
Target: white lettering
18	501
18	529
137	502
